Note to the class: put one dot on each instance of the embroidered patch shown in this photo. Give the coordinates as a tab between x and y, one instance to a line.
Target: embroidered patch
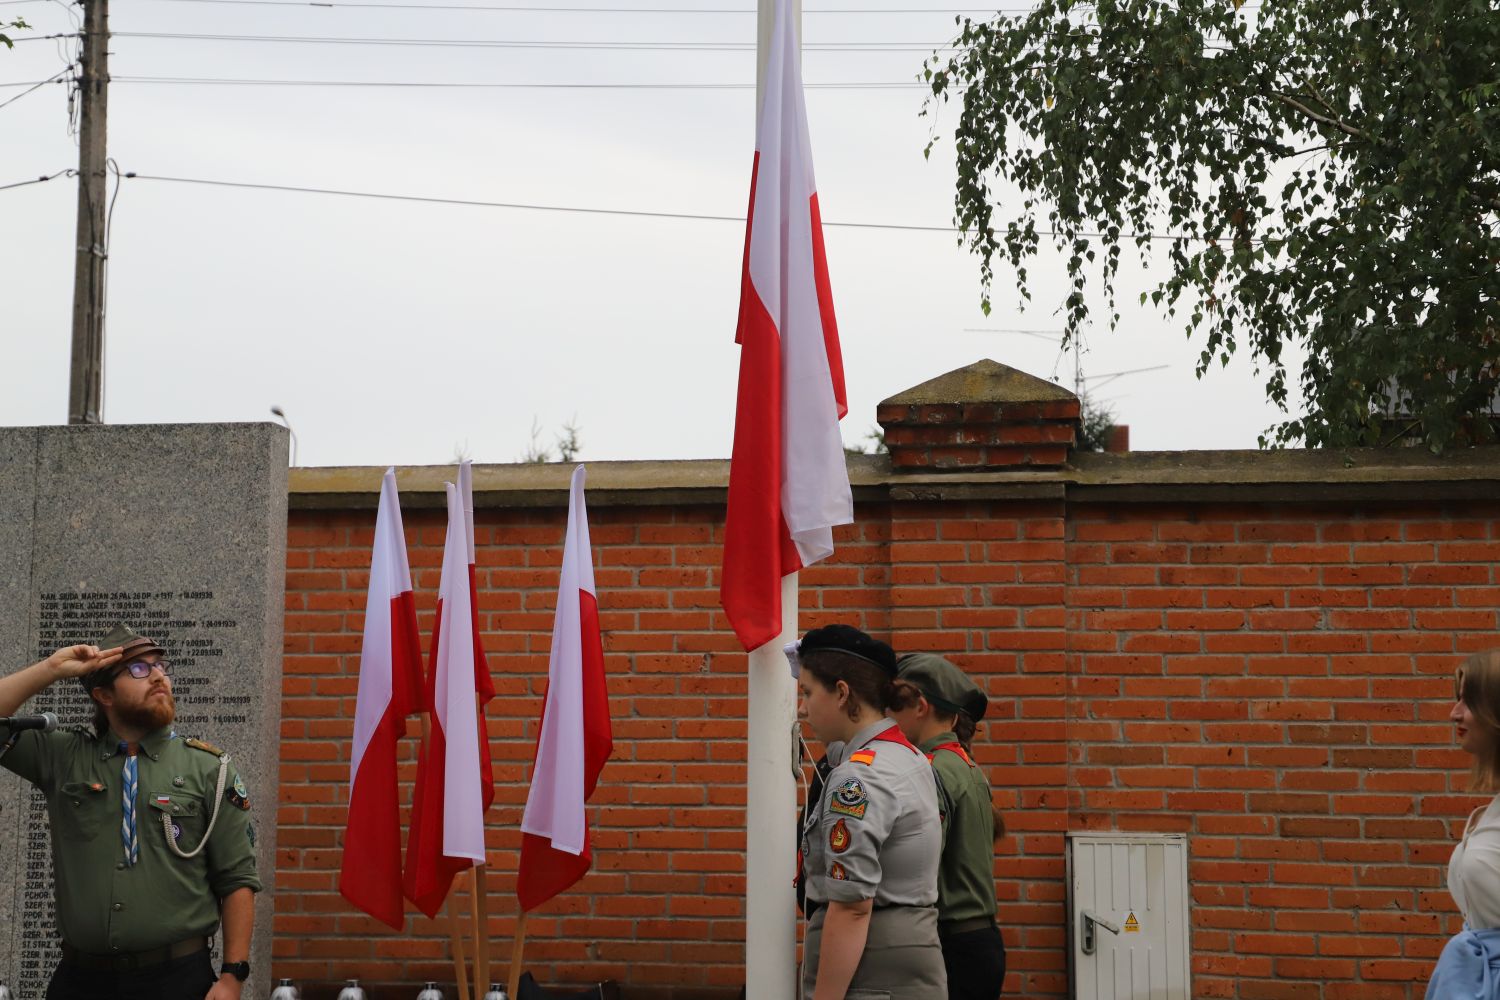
239	795
865	756
838	838
850	799
176	832
806	848
164	800
836	870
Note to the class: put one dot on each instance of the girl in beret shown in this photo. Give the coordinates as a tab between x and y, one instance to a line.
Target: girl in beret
870	842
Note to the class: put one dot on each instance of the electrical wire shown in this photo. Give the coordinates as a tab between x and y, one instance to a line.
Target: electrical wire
40	180
507	43
54	78
573	209
326	4
523	85
587	10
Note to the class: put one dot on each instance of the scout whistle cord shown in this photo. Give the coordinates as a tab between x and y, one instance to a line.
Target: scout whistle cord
166	818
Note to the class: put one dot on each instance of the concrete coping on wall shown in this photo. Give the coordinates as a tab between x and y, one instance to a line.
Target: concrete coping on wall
1284	476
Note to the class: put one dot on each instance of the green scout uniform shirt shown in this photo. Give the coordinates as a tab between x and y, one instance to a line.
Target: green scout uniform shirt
966	874
104	905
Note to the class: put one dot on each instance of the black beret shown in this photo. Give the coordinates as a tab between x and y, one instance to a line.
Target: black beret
848	639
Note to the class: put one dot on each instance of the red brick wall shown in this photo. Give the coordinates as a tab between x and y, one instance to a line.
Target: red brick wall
1271	681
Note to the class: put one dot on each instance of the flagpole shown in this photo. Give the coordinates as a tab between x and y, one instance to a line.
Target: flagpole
771	816
517	949
478	911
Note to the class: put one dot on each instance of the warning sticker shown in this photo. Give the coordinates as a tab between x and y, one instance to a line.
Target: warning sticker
1132	925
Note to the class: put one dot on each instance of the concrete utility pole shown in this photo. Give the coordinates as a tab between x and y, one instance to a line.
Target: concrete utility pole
86	379
771	788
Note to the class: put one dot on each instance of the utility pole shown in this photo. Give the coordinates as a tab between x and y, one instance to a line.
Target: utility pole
86	378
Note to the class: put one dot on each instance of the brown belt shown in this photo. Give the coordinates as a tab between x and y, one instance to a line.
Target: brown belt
132	960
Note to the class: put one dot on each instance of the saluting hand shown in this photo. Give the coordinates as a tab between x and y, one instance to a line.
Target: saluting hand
75	661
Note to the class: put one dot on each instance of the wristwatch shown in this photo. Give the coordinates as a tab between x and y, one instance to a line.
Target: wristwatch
239	970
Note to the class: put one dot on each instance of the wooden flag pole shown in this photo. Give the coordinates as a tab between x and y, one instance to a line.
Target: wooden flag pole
517	948
478	889
456	939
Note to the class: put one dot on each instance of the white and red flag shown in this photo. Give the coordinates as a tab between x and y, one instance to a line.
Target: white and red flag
447	828
390	689
575	740
484	685
788	484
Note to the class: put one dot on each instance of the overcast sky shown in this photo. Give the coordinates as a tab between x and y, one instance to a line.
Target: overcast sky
403	332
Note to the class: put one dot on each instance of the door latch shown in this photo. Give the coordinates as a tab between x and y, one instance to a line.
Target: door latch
1088	919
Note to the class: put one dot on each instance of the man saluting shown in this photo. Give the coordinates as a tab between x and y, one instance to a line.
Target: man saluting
152	846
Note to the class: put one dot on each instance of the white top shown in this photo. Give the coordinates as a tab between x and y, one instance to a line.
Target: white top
1474	869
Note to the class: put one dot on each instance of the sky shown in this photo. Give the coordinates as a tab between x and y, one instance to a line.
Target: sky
413	333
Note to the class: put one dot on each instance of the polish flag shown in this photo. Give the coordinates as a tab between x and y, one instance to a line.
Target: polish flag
447	829
575	740
390	689
788	484
484	685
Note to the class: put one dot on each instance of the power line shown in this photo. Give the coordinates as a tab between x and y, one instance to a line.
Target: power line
39	180
38	85
573	209
583	10
422	84
507	43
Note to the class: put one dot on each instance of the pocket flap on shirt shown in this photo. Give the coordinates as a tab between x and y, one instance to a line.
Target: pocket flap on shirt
83	789
173	805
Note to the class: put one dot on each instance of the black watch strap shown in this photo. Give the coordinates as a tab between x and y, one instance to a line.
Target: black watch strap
239	970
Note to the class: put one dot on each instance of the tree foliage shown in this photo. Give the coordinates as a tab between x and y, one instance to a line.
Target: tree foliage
16	25
1329	168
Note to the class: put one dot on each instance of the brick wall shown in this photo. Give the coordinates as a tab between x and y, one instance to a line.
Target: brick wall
1271	680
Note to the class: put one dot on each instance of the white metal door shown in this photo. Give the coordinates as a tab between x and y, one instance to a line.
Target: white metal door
1128	916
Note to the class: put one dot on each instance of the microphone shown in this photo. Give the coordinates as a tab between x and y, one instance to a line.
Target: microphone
46	722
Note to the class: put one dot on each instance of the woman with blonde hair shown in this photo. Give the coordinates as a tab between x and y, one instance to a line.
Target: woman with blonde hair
1469	965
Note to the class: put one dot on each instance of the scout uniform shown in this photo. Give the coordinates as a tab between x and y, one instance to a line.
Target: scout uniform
973	950
131	895
873	834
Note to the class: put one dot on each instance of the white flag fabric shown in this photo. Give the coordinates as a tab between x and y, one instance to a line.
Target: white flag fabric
454	702
575	739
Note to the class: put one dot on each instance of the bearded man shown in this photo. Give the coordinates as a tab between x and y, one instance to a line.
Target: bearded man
152	846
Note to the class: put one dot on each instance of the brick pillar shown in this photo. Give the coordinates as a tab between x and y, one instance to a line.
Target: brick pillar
984	416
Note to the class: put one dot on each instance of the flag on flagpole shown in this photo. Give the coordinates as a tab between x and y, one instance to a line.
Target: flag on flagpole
390	689
788	484
484	685
575	740
447	828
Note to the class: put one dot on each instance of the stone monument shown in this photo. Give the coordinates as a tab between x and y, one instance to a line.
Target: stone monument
179	531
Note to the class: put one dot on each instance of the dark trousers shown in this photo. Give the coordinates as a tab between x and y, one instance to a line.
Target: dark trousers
976	963
187	978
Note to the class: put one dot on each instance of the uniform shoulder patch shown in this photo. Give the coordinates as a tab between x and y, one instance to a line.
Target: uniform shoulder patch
203	745
849	799
836	871
865	756
238	795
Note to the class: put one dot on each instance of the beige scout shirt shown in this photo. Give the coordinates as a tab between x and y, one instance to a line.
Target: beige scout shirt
105	906
874	832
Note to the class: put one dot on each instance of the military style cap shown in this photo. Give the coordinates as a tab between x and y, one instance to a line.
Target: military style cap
944	685
850	640
134	645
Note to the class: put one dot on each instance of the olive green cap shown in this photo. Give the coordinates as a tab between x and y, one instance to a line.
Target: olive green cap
134	645
945	686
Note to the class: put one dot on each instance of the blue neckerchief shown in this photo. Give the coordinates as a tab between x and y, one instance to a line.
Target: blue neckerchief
1468	968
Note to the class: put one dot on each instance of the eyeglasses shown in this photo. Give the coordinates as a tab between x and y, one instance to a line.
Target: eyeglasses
141	669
